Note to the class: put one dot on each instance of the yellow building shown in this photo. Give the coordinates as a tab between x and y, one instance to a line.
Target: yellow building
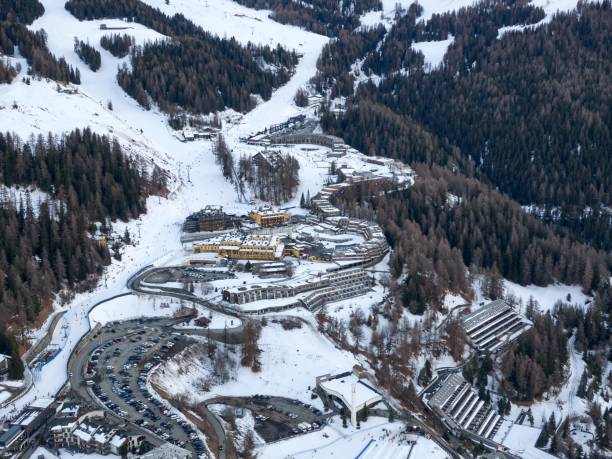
266	216
249	247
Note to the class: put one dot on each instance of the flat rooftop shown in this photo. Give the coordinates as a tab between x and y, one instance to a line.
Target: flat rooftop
343	387
484	313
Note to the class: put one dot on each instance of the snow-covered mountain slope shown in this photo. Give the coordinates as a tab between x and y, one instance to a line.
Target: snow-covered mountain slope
40	108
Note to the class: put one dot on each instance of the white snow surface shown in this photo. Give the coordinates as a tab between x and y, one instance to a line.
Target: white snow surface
521	440
131	307
290	360
549	295
387	442
433	51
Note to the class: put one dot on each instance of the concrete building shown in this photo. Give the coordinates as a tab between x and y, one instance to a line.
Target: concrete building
493	326
460	408
311	293
243	246
24	429
267	216
89	436
268	158
211	218
352	392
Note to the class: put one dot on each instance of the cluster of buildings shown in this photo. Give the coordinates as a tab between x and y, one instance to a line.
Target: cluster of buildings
243	246
89	433
64	425
489	330
90	438
212	219
321	203
191	134
25	429
371	251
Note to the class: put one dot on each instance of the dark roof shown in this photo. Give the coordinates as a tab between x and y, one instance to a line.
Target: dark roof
9	435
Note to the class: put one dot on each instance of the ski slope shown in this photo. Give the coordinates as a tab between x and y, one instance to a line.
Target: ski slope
377	439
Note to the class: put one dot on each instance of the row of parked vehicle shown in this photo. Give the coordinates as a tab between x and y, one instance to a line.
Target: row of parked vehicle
150	409
196	443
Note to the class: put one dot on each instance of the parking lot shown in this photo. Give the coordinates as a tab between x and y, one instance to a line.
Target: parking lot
277	418
186	274
116	370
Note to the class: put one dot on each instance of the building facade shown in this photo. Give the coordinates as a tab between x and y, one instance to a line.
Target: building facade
267	216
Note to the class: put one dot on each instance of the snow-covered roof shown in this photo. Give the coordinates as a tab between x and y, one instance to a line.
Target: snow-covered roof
484	313
27	418
352	390
86	437
521	440
117	441
41	403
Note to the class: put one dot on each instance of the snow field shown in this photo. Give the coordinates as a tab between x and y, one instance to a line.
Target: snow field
65	454
290	359
334	441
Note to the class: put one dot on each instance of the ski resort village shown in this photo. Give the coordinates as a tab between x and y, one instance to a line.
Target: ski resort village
233	279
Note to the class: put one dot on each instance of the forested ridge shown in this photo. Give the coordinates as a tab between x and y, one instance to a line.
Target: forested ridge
326	17
334	63
24	11
33	46
446	221
116	44
196	76
14	16
194	70
45	248
528	112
